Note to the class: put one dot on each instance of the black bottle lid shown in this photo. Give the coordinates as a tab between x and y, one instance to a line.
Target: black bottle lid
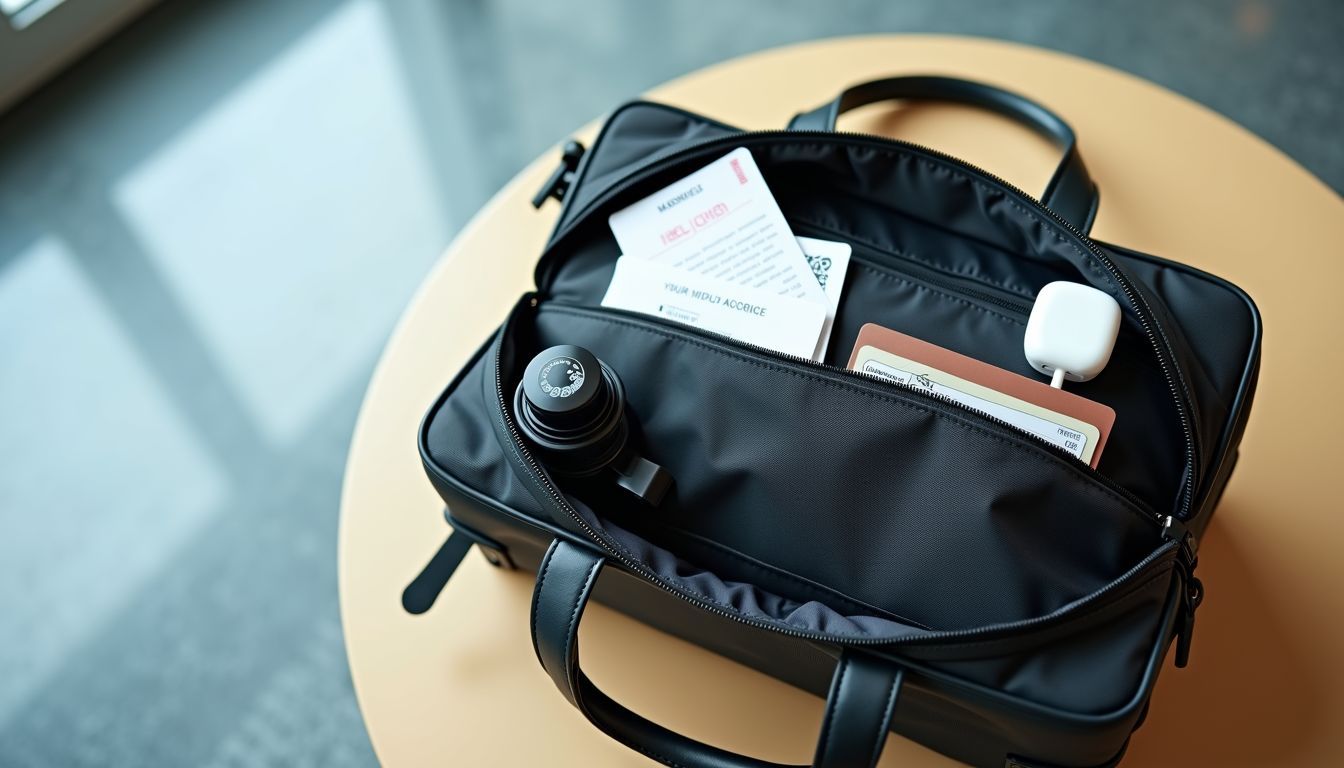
562	384
572	407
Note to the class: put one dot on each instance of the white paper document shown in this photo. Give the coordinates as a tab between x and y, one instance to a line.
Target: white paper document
829	261
720	222
714	251
784	323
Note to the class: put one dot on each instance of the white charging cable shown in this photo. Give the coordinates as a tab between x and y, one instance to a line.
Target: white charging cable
1071	332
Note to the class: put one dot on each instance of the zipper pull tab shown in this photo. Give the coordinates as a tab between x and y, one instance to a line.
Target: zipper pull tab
1194	595
1192	587
558	184
1175	530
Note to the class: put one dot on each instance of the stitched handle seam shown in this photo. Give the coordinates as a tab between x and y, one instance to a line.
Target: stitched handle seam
536	598
823	745
572	633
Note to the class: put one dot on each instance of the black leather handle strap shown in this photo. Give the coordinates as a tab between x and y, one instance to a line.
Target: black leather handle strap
1070	193
858	710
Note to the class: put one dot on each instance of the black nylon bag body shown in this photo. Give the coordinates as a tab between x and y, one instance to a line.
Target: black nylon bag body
941	575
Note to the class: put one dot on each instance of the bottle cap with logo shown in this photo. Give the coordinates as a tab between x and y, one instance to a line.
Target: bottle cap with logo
571	407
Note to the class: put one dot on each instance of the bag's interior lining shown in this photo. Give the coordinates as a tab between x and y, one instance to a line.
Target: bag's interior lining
746	599
890	227
731	565
918	187
971	269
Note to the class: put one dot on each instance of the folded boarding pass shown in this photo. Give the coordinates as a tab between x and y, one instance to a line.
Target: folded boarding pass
720	222
714	251
1063	419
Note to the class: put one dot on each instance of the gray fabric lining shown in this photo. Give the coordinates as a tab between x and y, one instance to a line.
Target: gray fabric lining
747	600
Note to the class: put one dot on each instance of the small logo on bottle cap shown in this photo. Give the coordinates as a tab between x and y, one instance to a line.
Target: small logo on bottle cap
561	377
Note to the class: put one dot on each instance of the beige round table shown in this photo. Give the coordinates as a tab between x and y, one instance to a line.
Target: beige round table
459	685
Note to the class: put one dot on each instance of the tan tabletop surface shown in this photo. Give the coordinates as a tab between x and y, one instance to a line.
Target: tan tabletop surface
459	685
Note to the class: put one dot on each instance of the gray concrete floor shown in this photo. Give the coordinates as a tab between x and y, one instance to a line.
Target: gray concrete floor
207	229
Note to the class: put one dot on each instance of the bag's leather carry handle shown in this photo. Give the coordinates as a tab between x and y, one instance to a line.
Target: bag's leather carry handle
1071	192
858	710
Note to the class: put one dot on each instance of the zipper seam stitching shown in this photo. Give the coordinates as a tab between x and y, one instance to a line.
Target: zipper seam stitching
1130	593
907	254
888	274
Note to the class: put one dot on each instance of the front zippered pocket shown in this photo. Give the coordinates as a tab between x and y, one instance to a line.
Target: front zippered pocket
842	374
1104	544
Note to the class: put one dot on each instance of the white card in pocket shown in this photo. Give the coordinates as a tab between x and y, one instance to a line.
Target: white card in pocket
761	317
721	223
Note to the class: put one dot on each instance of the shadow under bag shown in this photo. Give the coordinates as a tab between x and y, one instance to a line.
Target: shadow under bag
929	570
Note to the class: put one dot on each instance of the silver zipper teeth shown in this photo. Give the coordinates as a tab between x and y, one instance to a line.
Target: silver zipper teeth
1175	384
641	569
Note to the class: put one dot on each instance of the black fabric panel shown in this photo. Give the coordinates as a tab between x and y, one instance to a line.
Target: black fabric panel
844	217
459	439
638	132
1087	670
1220	329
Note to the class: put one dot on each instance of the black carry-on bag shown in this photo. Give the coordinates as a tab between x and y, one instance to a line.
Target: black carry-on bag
929	569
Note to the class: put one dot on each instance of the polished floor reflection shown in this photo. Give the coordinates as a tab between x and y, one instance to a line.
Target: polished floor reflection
207	230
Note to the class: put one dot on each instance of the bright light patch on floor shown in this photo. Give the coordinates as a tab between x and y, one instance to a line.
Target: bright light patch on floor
116	487
286	215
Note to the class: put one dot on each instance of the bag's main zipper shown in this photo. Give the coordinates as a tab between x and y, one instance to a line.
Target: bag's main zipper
544	481
1157	340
